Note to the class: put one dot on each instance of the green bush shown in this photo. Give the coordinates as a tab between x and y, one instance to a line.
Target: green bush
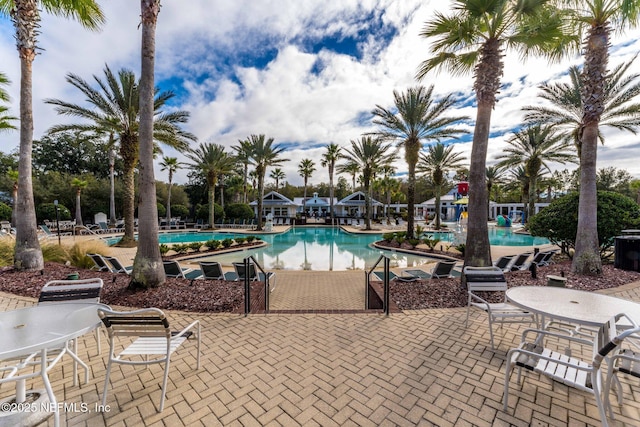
213	244
195	246
558	222
180	248
227	242
179	211
6	252
430	242
202	212
414	242
164	249
162	211
238	211
48	211
5	212
240	240
250	239
388	236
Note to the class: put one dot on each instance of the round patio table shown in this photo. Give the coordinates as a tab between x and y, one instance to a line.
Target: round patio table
37	329
585	308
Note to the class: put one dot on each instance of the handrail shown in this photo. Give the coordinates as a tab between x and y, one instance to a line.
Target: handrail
385	282
247	286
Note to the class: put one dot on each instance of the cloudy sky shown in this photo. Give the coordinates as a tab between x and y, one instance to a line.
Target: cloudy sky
306	73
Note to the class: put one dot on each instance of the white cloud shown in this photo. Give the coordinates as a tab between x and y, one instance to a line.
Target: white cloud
301	97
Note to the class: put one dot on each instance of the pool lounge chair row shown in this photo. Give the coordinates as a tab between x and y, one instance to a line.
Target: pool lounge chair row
442	270
522	262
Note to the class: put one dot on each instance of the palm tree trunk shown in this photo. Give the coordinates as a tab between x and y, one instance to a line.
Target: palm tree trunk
169	199
331	191
532	197
212	205
28	254
260	198
128	207
304	198
147	266
477	249
438	191
586	259
411	196
112	189
78	208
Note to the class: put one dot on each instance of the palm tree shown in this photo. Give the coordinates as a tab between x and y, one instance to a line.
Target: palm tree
371	155
25	15
5	119
277	174
416	118
329	159
243	155
437	162
13	176
211	161
79	185
263	155
473	39
352	169
306	167
534	148
494	179
116	109
387	185
170	164
112	182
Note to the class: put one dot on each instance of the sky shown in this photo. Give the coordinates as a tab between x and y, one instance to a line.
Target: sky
306	73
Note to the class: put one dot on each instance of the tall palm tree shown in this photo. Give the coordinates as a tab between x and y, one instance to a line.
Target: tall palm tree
473	39
437	162
595	20
387	185
263	155
78	185
112	182
278	175
115	108
243	155
371	154
5	118
494	175
352	169
534	148
306	167
13	176
170	164
211	161
328	160
25	15
416	118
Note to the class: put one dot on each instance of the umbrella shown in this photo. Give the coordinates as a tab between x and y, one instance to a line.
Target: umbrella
462	201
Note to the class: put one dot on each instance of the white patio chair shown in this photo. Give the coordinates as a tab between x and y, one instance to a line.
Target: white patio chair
627	361
572	371
70	291
491	279
154	338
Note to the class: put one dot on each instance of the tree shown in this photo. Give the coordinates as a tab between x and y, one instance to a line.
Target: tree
243	155
25	15
170	164
116	110
417	118
352	169
13	176
494	179
534	148
306	167
79	185
473	39
387	185
263	155
613	179
329	159
437	162
148	271
278	175
595	20
5	119
211	161
371	155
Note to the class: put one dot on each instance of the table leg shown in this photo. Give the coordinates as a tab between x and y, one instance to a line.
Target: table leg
47	386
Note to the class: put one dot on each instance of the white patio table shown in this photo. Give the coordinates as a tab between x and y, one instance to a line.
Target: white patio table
37	329
571	305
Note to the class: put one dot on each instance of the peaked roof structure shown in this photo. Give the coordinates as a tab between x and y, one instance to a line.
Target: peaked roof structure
275	198
357	199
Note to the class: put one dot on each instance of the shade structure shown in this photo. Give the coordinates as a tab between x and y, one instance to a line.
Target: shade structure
462	201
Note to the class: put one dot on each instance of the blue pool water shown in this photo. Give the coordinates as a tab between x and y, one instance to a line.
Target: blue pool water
326	248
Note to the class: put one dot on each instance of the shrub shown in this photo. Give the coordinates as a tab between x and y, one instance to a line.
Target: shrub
240	240
5	212
48	211
400	239
213	244
202	212
460	248
250	239
558	222
164	249
430	242
180	248
227	242
54	253
6	251
77	253
179	211
388	236
238	211
195	246
162	211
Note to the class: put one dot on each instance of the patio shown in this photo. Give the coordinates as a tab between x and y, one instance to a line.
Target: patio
417	367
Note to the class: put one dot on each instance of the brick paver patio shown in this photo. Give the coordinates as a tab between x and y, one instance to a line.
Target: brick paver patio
411	368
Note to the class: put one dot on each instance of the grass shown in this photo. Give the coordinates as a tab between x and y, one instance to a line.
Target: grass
74	254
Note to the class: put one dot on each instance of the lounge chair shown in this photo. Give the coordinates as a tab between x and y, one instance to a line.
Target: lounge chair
394	276
503	262
520	262
253	274
83	230
117	265
212	270
100	262
49	234
173	269
420	274
443	269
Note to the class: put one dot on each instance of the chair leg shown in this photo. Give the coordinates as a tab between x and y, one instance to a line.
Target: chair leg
164	382
507	375
491	333
106	382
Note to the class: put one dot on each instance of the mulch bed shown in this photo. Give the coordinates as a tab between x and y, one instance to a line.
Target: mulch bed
224	296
